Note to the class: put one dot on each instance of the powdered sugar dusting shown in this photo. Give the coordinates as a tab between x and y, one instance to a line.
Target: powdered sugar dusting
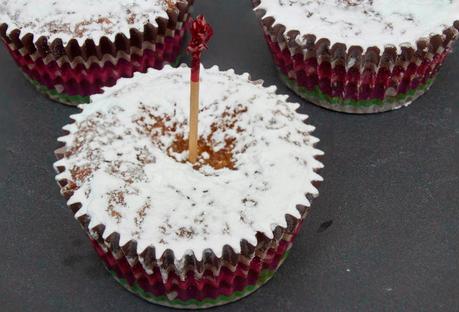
128	173
80	19
365	22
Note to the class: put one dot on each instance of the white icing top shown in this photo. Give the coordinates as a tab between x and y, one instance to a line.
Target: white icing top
80	19
365	22
134	185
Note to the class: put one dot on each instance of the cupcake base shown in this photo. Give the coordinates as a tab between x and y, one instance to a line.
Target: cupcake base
231	284
54	95
70	100
197	289
136	289
319	98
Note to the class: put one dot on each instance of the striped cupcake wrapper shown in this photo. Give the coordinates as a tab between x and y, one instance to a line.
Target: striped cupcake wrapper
356	106
350	78
195	290
70	74
136	289
64	98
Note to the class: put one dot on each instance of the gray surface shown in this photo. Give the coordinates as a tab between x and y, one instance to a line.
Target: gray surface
391	189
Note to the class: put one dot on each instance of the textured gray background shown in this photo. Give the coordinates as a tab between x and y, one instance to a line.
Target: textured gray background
391	189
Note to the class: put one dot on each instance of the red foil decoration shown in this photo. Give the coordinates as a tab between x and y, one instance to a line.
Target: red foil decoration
201	32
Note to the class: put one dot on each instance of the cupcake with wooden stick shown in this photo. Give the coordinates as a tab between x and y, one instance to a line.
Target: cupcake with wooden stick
180	233
71	49
359	56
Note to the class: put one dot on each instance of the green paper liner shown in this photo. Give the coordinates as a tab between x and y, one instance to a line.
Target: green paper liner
316	96
53	94
264	277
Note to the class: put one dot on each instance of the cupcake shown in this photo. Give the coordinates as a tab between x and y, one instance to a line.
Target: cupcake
183	235
69	50
359	56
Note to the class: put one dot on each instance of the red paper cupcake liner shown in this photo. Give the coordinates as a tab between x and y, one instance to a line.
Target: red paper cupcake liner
198	286
198	283
352	84
84	81
343	78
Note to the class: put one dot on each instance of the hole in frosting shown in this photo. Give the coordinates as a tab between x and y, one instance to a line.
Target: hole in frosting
212	152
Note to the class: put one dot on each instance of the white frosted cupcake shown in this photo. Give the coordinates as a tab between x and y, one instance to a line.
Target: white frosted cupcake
185	235
71	49
359	56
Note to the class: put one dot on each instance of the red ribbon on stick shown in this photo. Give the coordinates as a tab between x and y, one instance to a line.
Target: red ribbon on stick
201	32
200	35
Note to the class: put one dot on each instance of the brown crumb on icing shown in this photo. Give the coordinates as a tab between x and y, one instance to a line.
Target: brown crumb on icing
185	232
226	230
141	213
80	173
86	129
55	28
162	229
355	2
70	186
140	218
131	17
200	218
80	28
115	200
144	156
170	5
248	202
115	214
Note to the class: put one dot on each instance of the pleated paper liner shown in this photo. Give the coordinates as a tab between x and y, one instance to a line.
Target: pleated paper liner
351	79
79	71
189	282
83	82
232	282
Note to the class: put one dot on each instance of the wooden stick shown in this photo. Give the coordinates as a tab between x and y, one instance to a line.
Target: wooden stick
194	111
